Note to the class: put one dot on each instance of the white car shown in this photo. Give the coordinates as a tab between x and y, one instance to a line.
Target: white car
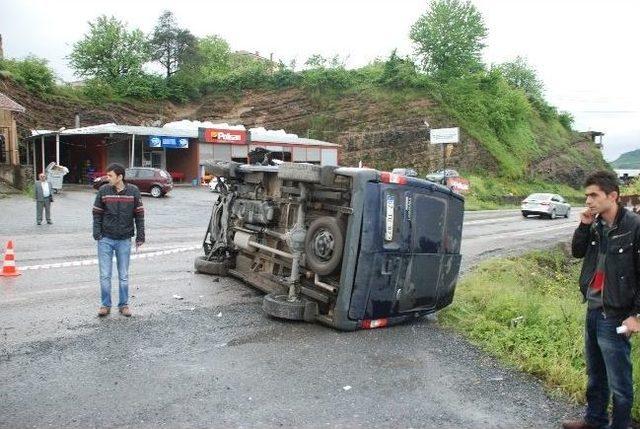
545	205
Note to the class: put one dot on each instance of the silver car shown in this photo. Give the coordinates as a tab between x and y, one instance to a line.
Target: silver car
545	205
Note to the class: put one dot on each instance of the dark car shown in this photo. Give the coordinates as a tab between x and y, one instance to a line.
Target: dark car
347	247
154	181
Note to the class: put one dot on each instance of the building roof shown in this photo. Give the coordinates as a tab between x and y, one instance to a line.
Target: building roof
8	104
188	129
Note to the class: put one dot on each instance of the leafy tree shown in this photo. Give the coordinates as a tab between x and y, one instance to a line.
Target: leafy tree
519	74
449	38
566	119
170	45
214	57
109	51
32	72
398	72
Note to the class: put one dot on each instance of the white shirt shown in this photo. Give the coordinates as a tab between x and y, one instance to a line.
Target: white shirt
45	189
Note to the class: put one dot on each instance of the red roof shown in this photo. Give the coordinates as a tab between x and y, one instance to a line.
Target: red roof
8	104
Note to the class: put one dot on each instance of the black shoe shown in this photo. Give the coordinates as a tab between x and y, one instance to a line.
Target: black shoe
39	223
49	222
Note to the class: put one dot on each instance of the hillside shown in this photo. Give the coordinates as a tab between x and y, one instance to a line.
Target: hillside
629	160
383	127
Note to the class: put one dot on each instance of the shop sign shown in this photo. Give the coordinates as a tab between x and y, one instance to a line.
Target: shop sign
215	135
168	142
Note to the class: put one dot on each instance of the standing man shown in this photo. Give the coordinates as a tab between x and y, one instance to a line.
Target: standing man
608	238
44	198
117	206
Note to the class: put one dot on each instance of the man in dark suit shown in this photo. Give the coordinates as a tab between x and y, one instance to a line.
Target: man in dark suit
44	198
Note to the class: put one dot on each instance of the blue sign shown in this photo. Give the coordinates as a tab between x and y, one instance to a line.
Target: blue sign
169	142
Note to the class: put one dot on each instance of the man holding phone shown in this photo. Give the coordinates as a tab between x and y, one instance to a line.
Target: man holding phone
608	238
117	206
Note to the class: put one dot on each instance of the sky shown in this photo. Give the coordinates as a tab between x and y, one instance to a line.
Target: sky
585	51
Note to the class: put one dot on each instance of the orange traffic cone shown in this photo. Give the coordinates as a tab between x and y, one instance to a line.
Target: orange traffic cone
9	267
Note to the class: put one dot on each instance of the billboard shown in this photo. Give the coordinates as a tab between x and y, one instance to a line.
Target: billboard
444	135
216	135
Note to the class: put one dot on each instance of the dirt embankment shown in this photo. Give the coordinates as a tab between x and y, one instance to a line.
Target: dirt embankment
379	132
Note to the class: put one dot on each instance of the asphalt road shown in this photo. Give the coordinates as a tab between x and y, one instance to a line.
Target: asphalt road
212	359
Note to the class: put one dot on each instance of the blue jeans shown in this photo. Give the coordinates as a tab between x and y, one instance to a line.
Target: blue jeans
608	356
122	249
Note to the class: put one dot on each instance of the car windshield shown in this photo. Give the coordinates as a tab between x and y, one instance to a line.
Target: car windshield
539	197
164	174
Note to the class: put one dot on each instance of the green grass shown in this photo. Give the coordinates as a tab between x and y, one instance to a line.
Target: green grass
528	312
488	193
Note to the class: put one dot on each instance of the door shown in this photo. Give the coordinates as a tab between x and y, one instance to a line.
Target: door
403	251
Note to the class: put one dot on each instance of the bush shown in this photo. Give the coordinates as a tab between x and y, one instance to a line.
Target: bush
398	72
143	86
98	90
32	72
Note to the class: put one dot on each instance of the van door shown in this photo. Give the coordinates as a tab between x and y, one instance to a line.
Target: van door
402	251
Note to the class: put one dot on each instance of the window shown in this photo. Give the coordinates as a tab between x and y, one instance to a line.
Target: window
145	174
3	149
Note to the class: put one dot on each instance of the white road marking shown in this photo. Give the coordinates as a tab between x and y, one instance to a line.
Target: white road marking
94	261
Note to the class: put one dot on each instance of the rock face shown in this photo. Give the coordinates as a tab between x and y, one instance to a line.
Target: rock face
383	132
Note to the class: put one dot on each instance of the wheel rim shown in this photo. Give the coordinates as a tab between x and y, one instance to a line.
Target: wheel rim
155	191
323	244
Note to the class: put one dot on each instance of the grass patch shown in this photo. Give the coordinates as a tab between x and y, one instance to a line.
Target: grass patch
528	312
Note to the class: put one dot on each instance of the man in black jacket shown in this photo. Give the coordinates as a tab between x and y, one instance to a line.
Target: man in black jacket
608	238
117	206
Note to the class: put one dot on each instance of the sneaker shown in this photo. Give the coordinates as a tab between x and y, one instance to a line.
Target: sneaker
578	424
103	311
39	223
49	222
124	310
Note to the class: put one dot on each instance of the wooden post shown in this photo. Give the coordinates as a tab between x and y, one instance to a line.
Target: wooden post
35	173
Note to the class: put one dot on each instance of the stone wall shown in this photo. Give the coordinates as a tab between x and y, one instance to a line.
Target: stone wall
16	175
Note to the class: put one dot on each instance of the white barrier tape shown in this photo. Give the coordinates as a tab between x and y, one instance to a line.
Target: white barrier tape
87	262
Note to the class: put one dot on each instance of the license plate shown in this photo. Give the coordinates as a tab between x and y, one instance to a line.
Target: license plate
391	205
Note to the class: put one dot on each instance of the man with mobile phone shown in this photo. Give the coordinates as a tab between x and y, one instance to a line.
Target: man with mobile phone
608	238
117	207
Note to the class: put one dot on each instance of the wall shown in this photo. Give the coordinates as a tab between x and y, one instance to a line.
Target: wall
17	176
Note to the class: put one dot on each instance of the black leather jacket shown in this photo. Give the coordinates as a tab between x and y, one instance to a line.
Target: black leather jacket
620	296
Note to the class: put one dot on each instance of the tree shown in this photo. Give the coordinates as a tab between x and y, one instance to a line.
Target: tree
519	74
449	38
170	45
214	57
109	51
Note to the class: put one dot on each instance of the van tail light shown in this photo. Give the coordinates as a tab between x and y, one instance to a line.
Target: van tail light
375	323
386	177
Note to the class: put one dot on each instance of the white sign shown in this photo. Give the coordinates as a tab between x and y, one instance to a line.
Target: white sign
445	135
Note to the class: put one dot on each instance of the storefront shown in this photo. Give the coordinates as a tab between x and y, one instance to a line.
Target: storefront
87	151
235	144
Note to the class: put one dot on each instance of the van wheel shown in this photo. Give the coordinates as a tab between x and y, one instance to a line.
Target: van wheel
203	266
279	306
156	192
300	172
323	245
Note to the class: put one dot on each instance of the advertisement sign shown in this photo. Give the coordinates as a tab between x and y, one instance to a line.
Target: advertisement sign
215	135
444	135
169	142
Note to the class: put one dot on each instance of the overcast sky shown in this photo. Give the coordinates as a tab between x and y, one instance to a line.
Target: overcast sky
585	51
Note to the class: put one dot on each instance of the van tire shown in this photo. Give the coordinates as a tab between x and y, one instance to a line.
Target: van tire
279	306
203	266
300	172
332	231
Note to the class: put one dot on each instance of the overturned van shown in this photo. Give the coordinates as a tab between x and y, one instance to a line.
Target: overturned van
348	247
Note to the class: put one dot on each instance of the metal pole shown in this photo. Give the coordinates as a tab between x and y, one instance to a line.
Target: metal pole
58	148
133	150
42	149
34	158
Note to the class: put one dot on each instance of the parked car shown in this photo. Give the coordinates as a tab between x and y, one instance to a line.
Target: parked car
441	176
350	248
154	181
545	205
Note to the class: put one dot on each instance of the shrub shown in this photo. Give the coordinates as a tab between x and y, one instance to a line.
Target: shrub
32	72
